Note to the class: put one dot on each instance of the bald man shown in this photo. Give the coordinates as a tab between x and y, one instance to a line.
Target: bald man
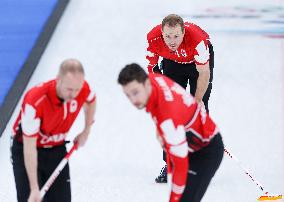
47	113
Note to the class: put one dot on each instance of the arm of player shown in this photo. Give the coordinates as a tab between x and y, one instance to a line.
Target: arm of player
31	125
201	57
160	140
202	81
30	158
153	59
179	177
177	149
89	112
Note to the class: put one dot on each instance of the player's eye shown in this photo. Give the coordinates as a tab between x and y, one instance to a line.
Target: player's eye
134	93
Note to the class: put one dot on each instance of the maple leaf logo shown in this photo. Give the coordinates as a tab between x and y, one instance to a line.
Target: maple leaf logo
175	137
30	124
203	53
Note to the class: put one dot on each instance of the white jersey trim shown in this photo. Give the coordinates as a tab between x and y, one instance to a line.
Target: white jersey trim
92	96
177	189
187	126
204	140
40	100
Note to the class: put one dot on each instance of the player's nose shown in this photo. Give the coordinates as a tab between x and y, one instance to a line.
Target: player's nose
133	100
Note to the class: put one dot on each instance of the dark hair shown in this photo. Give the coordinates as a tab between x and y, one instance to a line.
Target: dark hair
173	20
132	72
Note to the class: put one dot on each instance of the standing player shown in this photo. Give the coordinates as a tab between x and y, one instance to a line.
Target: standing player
47	113
188	135
188	57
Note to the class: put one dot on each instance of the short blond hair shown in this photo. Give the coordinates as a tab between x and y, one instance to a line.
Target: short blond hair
73	66
173	20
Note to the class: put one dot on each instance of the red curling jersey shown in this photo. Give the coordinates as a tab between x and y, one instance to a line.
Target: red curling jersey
175	112
194	47
45	116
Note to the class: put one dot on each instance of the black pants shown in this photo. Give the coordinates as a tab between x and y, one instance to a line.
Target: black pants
185	74
202	167
48	159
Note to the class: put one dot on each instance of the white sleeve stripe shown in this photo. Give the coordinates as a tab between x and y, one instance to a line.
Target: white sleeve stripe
177	189
91	96
152	65
40	100
150	54
179	150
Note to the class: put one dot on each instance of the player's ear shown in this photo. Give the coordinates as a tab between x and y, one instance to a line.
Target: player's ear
57	78
147	83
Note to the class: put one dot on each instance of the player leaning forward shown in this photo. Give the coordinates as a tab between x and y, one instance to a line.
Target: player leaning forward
186	132
188	58
47	113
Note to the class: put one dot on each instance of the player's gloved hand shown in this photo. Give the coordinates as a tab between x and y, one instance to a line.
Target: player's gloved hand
156	69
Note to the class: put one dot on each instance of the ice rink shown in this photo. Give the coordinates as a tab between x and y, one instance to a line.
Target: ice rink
122	156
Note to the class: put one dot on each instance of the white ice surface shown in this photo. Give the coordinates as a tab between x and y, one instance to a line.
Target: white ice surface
122	157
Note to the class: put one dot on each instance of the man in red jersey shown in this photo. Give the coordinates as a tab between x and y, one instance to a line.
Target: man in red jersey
47	113
190	138
188	57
